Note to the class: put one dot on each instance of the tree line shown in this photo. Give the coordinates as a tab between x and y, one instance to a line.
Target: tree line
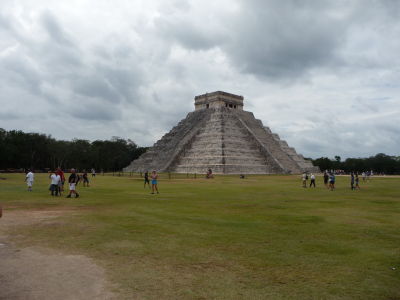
380	163
20	150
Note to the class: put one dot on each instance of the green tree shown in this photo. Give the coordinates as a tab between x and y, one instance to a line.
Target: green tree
323	163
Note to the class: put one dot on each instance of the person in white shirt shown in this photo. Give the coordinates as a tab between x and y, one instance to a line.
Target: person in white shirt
304	178
55	180
312	177
364	176
29	180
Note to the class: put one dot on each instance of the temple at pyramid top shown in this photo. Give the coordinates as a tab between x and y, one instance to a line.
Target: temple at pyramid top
221	136
218	99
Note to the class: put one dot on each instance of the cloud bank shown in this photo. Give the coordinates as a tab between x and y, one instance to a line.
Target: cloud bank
322	74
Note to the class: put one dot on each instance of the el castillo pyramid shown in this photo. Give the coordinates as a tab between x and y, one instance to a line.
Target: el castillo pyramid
221	136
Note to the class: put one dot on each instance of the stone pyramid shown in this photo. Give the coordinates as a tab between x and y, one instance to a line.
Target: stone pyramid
221	136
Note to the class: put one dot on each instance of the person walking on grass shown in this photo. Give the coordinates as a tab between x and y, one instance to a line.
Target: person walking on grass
85	179
332	181
73	180
29	178
357	180
326	179
352	180
93	172
312	177
55	180
79	177
304	179
364	176
154	177
146	179
62	180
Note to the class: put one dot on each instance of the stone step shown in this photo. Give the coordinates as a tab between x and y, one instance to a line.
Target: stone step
227	151
225	169
219	159
226	140
271	142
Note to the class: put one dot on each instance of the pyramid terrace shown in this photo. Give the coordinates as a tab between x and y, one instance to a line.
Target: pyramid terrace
221	136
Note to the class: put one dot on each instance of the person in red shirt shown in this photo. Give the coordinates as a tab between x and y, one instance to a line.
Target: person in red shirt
61	183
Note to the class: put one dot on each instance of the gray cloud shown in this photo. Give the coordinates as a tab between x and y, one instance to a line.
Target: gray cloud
9	116
324	75
54	30
96	87
189	35
284	39
90	110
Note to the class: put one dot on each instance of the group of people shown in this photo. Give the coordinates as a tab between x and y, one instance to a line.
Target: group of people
304	178
154	178
367	175
57	181
330	179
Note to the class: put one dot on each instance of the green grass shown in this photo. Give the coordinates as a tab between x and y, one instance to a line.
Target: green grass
263	237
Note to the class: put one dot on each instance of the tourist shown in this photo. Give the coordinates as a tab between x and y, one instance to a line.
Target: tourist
326	178
55	180
364	176
73	181
29	178
304	179
146	179
332	181
154	178
78	177
93	172
85	179
352	181
357	180
62	181
312	177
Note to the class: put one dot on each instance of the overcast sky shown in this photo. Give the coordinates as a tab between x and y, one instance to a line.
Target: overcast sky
324	75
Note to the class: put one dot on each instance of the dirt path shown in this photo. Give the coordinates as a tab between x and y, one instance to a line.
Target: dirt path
41	273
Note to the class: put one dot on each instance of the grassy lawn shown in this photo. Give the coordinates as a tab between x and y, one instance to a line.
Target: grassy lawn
263	237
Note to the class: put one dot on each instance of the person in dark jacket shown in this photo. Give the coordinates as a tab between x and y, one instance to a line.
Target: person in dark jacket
146	179
85	178
73	180
326	178
352	181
